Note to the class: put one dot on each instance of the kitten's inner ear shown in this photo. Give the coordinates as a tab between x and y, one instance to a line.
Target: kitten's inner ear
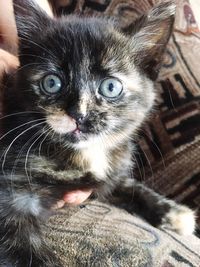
149	36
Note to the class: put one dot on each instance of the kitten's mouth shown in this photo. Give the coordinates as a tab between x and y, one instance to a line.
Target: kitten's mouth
77	131
78	134
75	135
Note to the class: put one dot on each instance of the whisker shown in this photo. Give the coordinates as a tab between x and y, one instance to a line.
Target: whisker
156	146
27	154
142	174
19	156
148	161
44	109
27	65
19	113
35	151
31	41
49	130
38	45
48	148
6	152
30	64
35	56
19	126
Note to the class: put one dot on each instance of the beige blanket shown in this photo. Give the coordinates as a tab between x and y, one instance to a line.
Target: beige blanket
101	235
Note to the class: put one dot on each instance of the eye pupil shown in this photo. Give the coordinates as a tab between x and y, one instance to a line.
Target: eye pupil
111	87
51	83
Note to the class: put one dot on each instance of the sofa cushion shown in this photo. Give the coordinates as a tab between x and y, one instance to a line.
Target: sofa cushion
97	234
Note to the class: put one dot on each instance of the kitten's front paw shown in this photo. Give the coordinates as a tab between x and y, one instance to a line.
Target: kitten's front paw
180	219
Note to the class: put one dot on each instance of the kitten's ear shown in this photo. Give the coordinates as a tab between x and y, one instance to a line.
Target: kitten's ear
33	18
30	17
149	36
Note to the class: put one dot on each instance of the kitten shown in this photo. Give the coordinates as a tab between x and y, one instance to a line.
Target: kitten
83	89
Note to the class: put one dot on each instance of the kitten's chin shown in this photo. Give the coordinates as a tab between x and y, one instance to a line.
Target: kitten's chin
76	137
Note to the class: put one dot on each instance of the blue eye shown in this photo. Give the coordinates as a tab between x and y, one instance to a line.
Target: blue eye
51	84
110	88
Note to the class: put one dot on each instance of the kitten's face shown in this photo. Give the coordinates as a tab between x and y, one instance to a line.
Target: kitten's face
88	79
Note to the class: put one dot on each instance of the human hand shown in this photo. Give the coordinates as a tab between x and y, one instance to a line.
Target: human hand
8	39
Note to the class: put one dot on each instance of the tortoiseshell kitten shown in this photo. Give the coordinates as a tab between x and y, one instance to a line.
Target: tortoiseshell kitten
83	89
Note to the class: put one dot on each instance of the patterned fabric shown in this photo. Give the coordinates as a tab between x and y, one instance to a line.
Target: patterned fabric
99	235
171	147
168	156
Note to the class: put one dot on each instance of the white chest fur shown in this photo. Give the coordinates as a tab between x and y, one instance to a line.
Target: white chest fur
97	159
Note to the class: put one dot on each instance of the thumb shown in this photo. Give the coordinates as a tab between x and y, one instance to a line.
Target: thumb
8	63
